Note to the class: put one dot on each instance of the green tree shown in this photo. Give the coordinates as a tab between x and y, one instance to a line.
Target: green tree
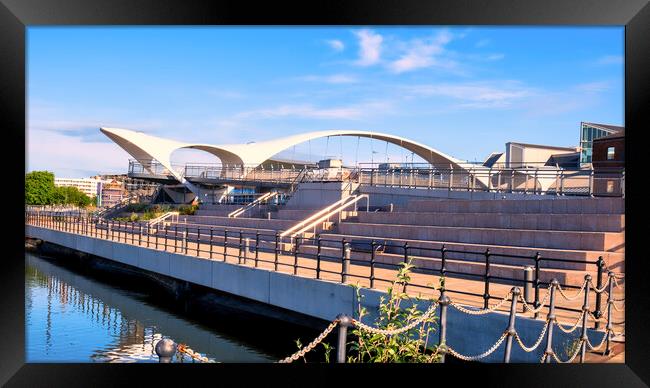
70	195
39	188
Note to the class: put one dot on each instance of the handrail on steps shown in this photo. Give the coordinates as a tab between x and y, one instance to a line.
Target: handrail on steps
241	210
324	214
163	217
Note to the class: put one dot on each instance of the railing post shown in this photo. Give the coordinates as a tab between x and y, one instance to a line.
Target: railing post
591	182
225	244
166	237
372	264
599	284
551	322
345	260
211	241
239	247
140	236
185	245
318	250
443	260
148	234
610	302
175	238
537	261
528	285
198	241
511	323
295	255
341	351
585	316
257	247
486	293
277	250
443	301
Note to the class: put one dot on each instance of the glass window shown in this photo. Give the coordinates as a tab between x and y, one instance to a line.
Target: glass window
611	153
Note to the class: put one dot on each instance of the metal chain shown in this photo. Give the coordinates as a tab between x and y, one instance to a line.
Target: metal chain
184	349
597	319
598	290
584	284
482	355
363	326
575	325
484	311
313	344
592	347
617	308
570	360
541	304
528	349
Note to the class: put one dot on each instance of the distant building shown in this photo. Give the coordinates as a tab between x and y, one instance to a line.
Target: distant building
608	159
522	155
112	193
89	186
590	132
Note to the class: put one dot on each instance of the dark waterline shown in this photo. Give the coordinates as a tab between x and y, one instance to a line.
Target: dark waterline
72	317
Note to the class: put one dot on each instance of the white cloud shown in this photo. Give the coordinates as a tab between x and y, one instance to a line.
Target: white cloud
482	43
331	79
336	44
350	112
477	94
421	53
594	87
369	47
611	60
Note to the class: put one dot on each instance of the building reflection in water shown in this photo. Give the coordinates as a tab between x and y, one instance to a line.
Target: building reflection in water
71	318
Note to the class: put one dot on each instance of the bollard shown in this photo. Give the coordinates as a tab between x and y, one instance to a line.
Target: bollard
528	286
511	323
345	265
344	322
551	322
585	311
165	349
268	215
442	343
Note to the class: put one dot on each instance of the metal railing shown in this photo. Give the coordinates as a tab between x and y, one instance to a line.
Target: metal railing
263	198
333	252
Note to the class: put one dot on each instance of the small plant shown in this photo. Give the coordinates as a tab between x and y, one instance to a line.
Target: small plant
571	346
410	346
328	349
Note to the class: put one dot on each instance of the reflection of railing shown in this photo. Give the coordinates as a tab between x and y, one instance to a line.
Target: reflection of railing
263	198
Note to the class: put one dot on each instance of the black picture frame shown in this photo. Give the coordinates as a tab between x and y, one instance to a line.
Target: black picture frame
17	15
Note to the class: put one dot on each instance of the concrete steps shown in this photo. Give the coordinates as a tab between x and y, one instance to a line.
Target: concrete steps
236	222
580	259
542	206
529	221
574	240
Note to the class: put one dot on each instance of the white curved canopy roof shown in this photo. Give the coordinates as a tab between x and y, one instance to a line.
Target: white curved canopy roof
145	147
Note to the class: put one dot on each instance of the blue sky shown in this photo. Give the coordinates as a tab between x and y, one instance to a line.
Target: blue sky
465	91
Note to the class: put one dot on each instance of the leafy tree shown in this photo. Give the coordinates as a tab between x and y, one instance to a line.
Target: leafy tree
39	188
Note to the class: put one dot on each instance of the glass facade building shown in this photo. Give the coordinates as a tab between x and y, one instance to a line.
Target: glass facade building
588	133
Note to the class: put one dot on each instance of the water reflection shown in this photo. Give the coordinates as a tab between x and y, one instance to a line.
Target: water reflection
72	318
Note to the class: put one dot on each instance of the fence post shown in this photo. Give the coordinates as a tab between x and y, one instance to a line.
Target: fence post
225	244
318	250
257	247
537	260
443	301
528	285
239	247
295	255
140	236
211	241
166	236
185	245
591	182
551	322
277	250
198	241
372	263
511	323
599	284
344	323
148	234
443	260
585	312
610	302
486	293
345	260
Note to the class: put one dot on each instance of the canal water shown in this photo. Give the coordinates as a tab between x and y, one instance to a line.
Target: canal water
74	316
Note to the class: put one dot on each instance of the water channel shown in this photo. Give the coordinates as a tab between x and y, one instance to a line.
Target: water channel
76	316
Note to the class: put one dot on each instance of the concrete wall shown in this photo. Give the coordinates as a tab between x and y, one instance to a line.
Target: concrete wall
321	299
317	195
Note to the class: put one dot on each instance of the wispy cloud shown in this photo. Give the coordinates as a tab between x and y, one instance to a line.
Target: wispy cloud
349	112
482	43
369	47
476	94
611	60
594	87
421	53
331	79
335	44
